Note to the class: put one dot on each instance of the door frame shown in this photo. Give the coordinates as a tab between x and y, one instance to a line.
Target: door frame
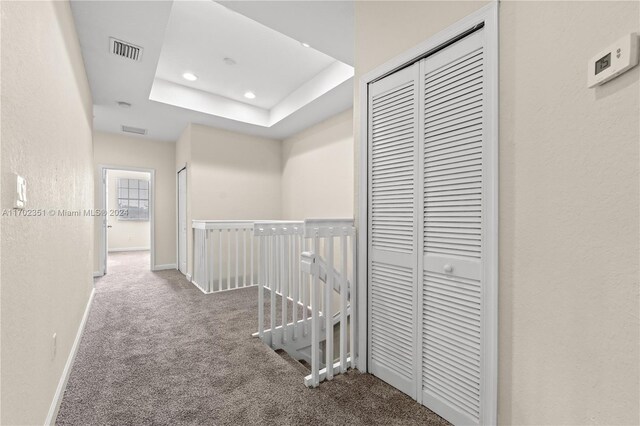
103	168
487	16
186	176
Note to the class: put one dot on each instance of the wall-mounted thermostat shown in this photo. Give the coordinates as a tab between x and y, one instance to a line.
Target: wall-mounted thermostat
613	61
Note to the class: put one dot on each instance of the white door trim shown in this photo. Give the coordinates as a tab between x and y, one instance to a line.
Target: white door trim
152	212
186	177
487	15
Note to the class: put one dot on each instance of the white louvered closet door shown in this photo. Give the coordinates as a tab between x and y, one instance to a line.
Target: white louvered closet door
453	229
393	225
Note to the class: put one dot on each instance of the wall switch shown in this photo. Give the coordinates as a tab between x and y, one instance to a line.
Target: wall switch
20	198
54	345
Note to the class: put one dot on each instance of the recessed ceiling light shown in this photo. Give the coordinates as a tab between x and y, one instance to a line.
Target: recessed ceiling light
250	95
123	104
229	61
305	44
189	76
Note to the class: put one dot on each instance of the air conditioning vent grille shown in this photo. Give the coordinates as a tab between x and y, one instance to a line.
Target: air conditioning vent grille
125	50
136	130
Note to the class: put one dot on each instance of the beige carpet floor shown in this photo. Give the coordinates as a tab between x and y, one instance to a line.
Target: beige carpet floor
156	350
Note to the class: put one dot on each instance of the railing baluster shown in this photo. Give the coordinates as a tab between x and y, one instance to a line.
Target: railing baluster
295	265
212	259
196	254
315	322
328	314
229	259
284	283
305	295
251	239
235	231
343	302
261	274
219	259
272	263
353	300
207	260
244	258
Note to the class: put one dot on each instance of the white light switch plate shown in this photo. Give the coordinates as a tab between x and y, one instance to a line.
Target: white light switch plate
21	192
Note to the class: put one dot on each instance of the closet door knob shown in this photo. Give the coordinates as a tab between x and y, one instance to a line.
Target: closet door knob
448	268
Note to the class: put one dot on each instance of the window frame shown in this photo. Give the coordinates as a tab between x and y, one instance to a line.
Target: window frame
128	198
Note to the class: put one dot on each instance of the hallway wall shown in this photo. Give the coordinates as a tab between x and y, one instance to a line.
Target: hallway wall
569	202
317	170
46	266
128	151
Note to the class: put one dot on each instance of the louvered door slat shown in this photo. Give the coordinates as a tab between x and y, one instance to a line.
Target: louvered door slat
458	100
452	230
392	228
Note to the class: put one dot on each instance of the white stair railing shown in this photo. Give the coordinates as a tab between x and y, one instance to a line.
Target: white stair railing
337	240
224	255
307	267
280	244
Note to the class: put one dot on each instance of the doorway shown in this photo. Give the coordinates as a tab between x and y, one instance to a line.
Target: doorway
429	221
127	218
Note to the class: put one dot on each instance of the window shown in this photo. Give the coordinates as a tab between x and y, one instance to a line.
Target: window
133	196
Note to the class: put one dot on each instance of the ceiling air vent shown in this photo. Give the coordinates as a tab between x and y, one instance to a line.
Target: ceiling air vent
136	130
125	50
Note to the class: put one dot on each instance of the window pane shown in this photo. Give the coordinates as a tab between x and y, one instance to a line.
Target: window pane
133	209
123	183
144	210
123	204
143	194
123	193
133	193
143	184
133	183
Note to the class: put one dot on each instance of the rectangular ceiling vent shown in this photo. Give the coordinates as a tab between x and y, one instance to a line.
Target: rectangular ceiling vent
125	50
136	130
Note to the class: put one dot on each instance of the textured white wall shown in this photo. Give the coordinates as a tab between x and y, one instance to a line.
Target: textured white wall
569	202
47	261
235	176
317	170
126	151
126	234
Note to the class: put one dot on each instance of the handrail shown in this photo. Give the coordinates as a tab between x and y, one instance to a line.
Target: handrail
222	224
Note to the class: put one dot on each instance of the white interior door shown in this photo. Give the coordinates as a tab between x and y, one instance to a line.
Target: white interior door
182	221
393	224
454	228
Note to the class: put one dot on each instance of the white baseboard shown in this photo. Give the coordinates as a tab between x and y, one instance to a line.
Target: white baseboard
62	384
198	286
128	249
97	274
188	277
164	267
